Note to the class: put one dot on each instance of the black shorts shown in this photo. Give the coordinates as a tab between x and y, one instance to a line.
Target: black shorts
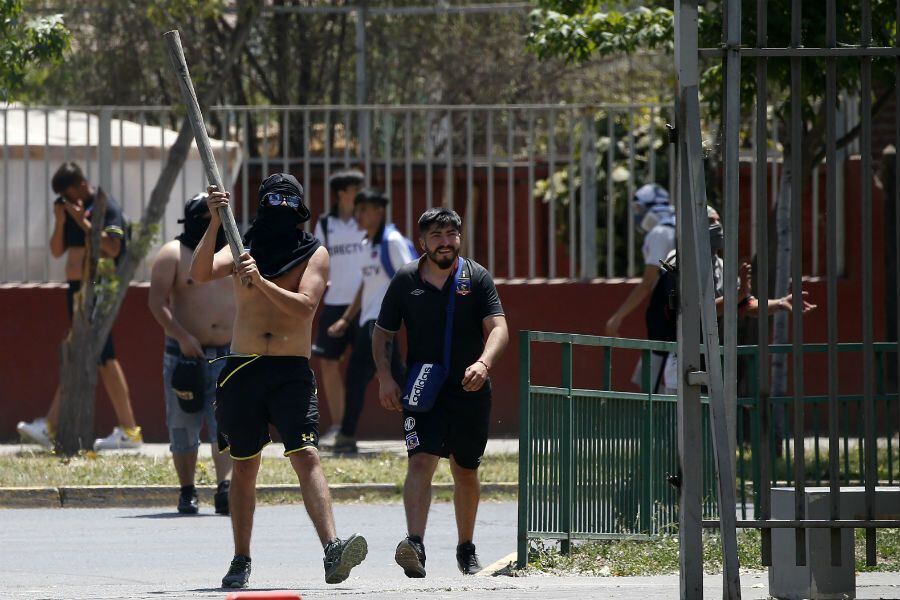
109	351
327	347
457	425
255	391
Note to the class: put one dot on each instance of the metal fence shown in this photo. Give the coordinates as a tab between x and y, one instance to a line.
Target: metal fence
596	462
803	56
518	174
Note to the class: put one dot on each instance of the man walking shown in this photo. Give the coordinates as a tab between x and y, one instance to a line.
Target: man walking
198	319
267	379
72	211
654	218
385	251
454	321
342	237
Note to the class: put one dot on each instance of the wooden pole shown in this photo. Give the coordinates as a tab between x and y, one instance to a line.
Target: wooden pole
195	117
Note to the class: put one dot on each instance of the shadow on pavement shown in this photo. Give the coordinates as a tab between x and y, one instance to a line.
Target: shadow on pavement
168	515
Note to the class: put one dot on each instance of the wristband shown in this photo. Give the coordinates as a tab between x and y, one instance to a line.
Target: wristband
484	363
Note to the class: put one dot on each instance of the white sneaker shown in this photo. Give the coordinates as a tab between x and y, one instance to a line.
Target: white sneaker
329	437
35	431
119	440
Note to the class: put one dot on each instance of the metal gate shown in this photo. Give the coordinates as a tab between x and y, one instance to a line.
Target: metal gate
696	300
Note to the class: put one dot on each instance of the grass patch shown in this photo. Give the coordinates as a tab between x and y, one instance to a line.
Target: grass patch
816	471
34	469
618	558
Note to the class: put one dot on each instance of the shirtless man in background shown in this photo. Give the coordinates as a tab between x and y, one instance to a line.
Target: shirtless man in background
267	379
197	319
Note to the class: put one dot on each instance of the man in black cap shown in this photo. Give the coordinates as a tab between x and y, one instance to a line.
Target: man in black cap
278	284
198	319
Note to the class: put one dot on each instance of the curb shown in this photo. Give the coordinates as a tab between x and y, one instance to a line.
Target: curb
494	569
123	496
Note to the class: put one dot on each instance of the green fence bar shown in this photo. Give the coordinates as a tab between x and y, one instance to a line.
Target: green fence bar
595	463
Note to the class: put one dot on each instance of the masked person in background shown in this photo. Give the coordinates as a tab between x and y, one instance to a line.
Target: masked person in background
662	318
278	285
197	319
654	218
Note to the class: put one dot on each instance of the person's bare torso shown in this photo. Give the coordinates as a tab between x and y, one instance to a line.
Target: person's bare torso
74	263
262	328
205	310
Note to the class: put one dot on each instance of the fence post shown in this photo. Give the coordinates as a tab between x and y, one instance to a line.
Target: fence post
105	149
524	445
567	476
649	382
588	197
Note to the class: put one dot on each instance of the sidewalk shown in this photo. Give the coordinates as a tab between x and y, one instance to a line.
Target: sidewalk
276	449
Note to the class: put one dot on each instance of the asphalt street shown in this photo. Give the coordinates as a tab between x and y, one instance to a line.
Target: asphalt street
120	554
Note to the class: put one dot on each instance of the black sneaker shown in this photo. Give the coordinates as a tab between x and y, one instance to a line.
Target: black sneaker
410	555
343	555
344	445
187	501
221	498
238	575
467	559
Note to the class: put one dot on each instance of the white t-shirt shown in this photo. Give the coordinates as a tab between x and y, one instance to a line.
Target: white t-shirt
375	279
345	250
658	242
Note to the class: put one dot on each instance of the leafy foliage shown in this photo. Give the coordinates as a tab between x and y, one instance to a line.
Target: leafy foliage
578	30
25	42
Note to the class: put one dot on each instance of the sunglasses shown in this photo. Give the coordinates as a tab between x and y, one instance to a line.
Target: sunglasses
276	199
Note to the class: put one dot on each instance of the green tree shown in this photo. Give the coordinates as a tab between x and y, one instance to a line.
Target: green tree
26	43
92	324
576	30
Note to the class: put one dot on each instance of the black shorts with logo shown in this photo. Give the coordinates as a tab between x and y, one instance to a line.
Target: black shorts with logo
255	391
325	346
457	425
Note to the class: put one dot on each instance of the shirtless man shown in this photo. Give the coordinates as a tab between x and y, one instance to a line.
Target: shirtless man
197	320
278	284
72	210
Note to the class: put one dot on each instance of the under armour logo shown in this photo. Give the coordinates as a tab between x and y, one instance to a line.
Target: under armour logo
417	292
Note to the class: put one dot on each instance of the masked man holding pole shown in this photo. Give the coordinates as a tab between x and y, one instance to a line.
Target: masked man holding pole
267	378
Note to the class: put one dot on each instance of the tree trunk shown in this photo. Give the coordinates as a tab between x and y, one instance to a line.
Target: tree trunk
81	350
78	380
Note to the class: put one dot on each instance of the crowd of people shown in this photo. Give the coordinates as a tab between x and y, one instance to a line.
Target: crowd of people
239	344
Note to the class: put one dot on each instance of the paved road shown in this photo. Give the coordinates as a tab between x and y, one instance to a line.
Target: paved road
122	554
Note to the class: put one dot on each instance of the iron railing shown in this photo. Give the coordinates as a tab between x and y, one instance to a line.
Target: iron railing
597	463
521	171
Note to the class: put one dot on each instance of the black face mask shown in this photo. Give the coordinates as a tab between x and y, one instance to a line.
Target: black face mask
196	221
275	242
716	238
